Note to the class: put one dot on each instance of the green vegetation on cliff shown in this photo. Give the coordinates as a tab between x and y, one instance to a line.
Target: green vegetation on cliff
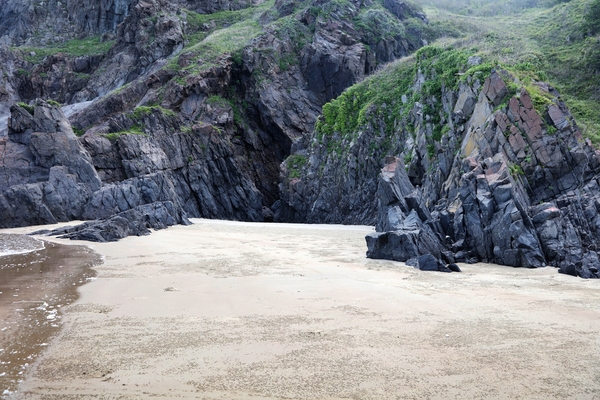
295	163
391	91
213	35
347	113
199	26
548	40
76	47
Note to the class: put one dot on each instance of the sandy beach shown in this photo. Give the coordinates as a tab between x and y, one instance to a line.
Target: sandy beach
229	310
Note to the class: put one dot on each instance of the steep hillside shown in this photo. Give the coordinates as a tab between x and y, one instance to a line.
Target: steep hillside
490	166
211	101
485	161
558	40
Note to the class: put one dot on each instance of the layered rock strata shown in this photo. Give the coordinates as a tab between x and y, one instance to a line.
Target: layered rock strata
516	195
46	176
485	171
174	111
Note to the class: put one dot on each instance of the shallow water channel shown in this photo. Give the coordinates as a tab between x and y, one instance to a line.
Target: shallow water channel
37	279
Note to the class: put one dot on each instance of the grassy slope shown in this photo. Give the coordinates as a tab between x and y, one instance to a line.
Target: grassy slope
551	43
77	47
231	33
535	44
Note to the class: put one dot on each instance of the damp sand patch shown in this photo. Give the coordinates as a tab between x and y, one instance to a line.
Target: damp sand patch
37	279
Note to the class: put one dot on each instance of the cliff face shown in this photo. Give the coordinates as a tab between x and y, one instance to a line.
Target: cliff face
46	176
28	22
489	169
32	22
202	108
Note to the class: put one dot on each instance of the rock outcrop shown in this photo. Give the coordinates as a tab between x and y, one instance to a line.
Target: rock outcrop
24	21
46	176
176	118
494	172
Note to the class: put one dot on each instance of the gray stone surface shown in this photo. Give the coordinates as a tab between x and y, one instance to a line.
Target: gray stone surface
499	187
47	176
24	22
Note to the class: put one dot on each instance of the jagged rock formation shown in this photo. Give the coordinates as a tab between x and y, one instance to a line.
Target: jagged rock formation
405	228
184	101
46	176
153	32
27	21
493	173
330	47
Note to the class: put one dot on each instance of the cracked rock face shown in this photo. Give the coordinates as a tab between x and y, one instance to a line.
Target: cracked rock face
545	212
55	20
47	176
507	183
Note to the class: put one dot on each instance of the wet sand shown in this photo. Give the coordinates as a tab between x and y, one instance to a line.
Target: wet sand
222	310
34	286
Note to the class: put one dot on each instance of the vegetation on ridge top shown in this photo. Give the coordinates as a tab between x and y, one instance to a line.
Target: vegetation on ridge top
553	40
552	44
77	47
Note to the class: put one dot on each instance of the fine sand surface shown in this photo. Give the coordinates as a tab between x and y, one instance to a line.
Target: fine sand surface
228	310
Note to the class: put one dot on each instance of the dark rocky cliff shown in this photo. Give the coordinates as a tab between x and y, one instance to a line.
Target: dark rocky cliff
28	21
195	110
46	176
489	168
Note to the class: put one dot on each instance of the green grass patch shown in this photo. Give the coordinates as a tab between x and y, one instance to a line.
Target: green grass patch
199	26
350	110
223	41
377	24
587	115
22	72
216	100
540	99
141	111
134	130
219	101
384	91
295	163
294	31
76	47
26	106
442	67
536	40
78	131
516	170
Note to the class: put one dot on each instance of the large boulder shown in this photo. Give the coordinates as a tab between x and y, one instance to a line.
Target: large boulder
45	174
